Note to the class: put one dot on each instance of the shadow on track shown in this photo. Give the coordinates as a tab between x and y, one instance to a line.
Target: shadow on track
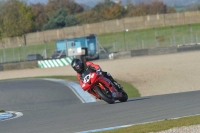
132	100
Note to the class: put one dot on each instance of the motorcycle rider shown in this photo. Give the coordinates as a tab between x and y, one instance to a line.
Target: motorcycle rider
81	66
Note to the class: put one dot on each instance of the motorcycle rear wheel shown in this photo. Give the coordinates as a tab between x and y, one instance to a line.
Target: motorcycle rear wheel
103	95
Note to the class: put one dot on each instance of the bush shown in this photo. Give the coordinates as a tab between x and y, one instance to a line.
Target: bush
2	111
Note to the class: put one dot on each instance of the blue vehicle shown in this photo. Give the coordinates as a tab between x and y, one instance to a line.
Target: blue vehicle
83	46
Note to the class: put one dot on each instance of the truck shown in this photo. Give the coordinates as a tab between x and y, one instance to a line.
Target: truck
84	47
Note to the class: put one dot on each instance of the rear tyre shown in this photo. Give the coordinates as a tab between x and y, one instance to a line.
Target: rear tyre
124	97
104	95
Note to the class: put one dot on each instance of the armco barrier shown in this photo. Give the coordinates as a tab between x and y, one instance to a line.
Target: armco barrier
139	52
162	50
19	65
1	67
54	62
155	51
188	48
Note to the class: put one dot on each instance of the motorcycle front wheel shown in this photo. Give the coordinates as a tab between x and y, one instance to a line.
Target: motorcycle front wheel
124	97
104	95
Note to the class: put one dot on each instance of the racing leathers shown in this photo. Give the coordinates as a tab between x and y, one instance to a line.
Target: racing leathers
95	67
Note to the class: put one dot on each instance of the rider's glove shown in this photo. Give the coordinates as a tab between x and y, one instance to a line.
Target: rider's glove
99	72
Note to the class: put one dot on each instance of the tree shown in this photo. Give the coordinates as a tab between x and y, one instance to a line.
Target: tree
1	19
40	16
73	7
157	7
103	5
129	6
171	10
68	5
89	17
114	12
139	10
60	19
70	20
149	8
57	20
17	18
109	10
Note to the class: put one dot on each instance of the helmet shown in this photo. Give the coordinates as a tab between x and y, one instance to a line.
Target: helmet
77	65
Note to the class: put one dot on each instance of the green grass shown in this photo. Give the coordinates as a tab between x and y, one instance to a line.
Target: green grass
1	111
148	38
21	53
129	88
159	126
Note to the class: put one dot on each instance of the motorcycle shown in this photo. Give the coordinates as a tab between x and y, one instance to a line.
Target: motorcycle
101	87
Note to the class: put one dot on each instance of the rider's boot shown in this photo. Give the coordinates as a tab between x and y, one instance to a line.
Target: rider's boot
117	85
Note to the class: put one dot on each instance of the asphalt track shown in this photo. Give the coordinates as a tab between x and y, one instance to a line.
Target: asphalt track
50	107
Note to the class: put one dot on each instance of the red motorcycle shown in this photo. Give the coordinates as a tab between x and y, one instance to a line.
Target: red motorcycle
101	87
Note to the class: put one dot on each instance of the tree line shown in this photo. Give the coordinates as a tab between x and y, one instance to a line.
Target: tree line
18	18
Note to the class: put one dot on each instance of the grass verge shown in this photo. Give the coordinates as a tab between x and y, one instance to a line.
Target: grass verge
1	111
159	126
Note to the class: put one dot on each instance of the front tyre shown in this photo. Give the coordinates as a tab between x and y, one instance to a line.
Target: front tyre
109	99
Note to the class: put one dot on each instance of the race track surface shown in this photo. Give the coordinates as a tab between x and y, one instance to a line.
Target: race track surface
49	107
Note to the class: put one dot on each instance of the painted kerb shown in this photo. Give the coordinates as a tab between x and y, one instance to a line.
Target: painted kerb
55	62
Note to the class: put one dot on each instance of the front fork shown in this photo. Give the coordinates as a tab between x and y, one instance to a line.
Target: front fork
93	92
113	91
